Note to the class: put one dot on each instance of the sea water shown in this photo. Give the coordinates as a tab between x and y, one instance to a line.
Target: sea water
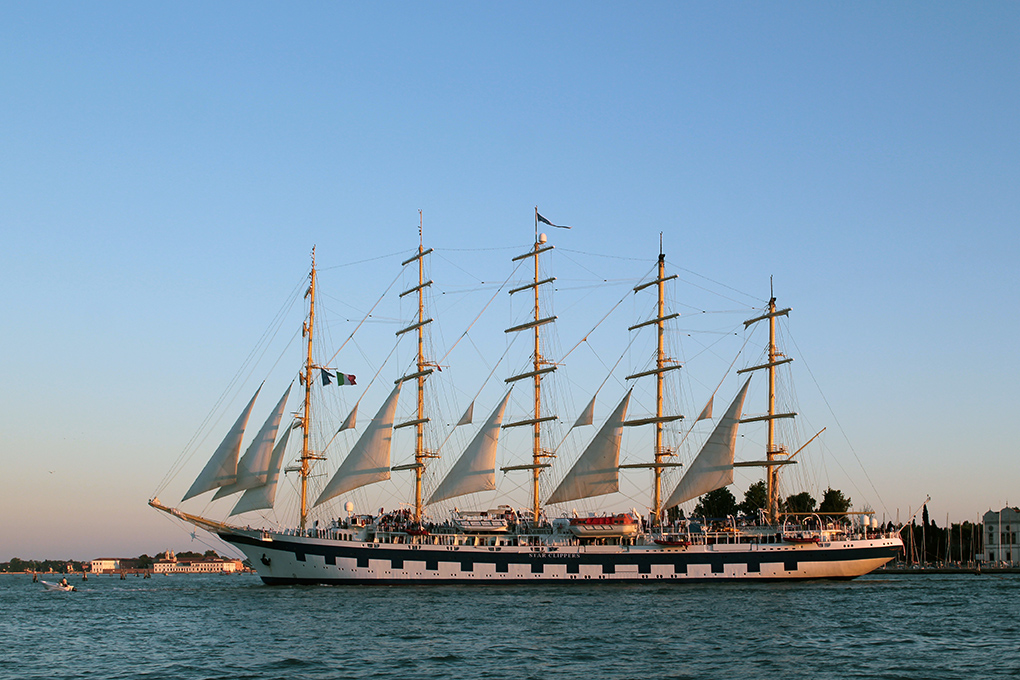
185	627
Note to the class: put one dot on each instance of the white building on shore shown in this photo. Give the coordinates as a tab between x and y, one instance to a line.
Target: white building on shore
169	564
104	565
1002	531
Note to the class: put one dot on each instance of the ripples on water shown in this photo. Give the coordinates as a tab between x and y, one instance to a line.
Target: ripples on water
204	627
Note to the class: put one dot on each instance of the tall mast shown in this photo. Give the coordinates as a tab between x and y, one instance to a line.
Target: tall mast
419	438
770	441
306	455
536	445
660	358
663	363
424	370
540	366
775	454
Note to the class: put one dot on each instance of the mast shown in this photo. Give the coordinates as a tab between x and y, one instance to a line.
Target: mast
540	366
775	454
660	358
425	368
419	428
770	440
663	363
536	446
306	454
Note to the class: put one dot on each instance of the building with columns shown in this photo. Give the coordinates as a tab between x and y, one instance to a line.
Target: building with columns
1002	531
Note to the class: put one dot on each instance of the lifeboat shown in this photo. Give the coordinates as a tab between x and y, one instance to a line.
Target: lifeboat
493	521
608	525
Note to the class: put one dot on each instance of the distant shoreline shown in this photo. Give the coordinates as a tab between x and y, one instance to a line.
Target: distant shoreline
977	571
131	572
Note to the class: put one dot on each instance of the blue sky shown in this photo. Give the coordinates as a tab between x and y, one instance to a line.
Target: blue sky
166	171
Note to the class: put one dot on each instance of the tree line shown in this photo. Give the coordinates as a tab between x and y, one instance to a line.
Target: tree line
60	566
924	543
722	503
143	561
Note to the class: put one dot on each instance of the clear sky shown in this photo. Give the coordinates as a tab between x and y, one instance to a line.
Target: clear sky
165	171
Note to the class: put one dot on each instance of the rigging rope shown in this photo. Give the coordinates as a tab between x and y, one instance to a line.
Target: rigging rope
239	377
840	426
364	319
470	325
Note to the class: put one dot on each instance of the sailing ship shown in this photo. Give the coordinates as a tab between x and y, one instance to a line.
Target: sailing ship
507	544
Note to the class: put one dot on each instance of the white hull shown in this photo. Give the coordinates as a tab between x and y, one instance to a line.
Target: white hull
282	559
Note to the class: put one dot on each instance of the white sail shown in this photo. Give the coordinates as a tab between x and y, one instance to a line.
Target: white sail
706	413
351	421
596	472
476	469
253	468
263	497
712	468
222	467
468	416
369	460
587	416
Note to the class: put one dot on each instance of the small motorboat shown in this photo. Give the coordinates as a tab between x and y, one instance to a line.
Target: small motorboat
64	586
